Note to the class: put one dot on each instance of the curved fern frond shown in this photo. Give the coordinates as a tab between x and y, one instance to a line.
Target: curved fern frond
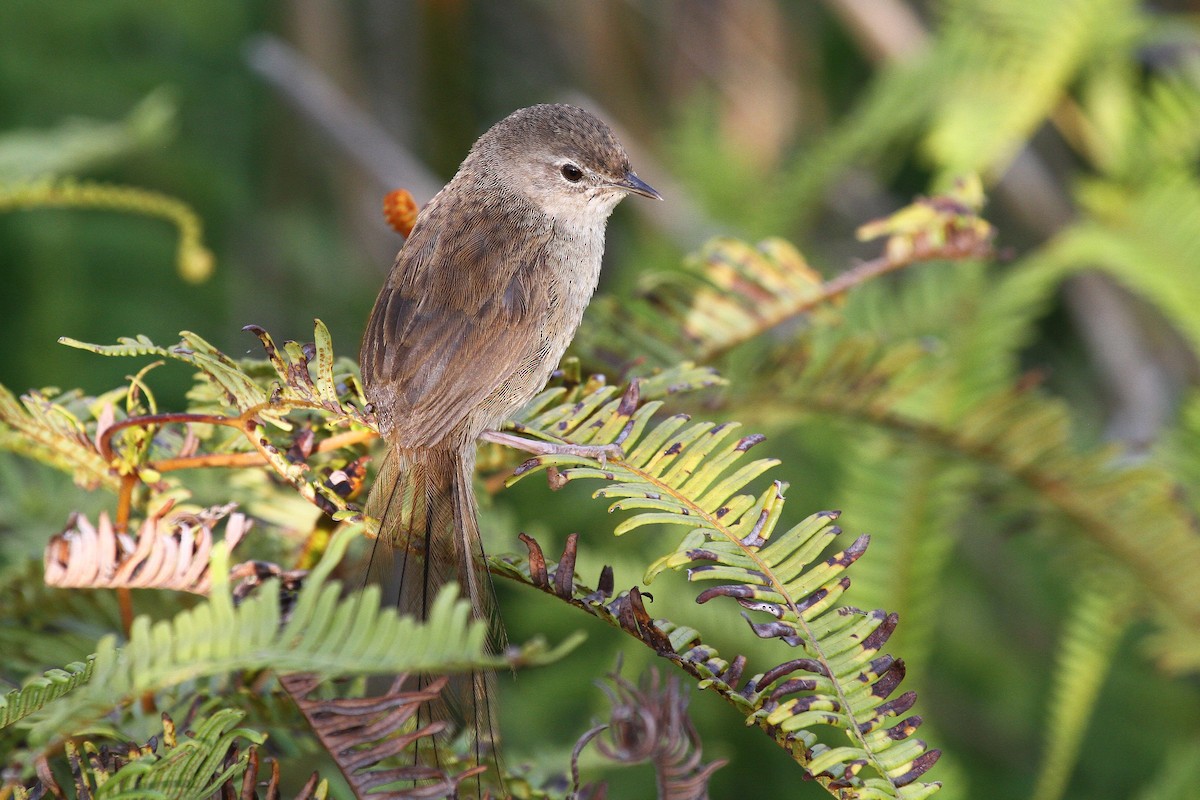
39	691
194	260
756	697
367	735
648	722
305	376
170	551
324	633
1146	238
733	292
1025	436
696	475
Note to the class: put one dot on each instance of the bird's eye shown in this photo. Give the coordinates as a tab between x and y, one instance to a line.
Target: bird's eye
572	173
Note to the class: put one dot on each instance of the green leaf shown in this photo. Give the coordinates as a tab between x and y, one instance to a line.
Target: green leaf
41	690
326	634
696	475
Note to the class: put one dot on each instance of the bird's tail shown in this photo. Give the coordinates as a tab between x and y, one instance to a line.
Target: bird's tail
428	536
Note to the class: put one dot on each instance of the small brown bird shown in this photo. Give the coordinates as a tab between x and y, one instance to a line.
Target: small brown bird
477	311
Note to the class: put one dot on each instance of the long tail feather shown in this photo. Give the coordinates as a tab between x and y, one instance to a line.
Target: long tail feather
429	535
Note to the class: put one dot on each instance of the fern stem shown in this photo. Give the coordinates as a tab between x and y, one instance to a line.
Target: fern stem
255	459
961	245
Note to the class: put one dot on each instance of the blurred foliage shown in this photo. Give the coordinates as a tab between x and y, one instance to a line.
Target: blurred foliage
952	411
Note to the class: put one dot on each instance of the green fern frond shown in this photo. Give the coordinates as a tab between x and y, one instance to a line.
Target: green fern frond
41	690
756	697
241	392
208	760
303	377
80	144
1026	437
1009	66
324	634
1098	619
1147	239
195	765
696	475
52	428
912	499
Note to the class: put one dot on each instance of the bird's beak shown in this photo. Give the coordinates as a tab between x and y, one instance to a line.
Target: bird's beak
633	184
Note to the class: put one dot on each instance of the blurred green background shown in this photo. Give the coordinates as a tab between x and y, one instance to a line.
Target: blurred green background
797	119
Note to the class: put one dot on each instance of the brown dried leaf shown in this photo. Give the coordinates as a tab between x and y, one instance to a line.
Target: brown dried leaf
168	552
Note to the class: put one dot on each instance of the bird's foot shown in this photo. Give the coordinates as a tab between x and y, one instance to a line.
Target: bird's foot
600	452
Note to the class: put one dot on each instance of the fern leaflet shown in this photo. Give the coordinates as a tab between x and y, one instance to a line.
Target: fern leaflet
39	691
695	475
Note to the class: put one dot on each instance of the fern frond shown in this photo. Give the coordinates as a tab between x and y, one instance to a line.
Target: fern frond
1010	64
1147	239
240	391
757	697
51	428
324	634
1098	619
695	475
306	376
41	690
1025	436
648	722
206	761
366	735
732	292
194	765
171	551
78	144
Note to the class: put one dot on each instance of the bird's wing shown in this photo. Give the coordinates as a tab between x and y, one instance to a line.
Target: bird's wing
462	312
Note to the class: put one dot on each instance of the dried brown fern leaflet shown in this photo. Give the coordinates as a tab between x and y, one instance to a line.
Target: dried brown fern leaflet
368	738
648	722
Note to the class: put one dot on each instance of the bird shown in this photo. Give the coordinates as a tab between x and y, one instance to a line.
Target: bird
478	309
